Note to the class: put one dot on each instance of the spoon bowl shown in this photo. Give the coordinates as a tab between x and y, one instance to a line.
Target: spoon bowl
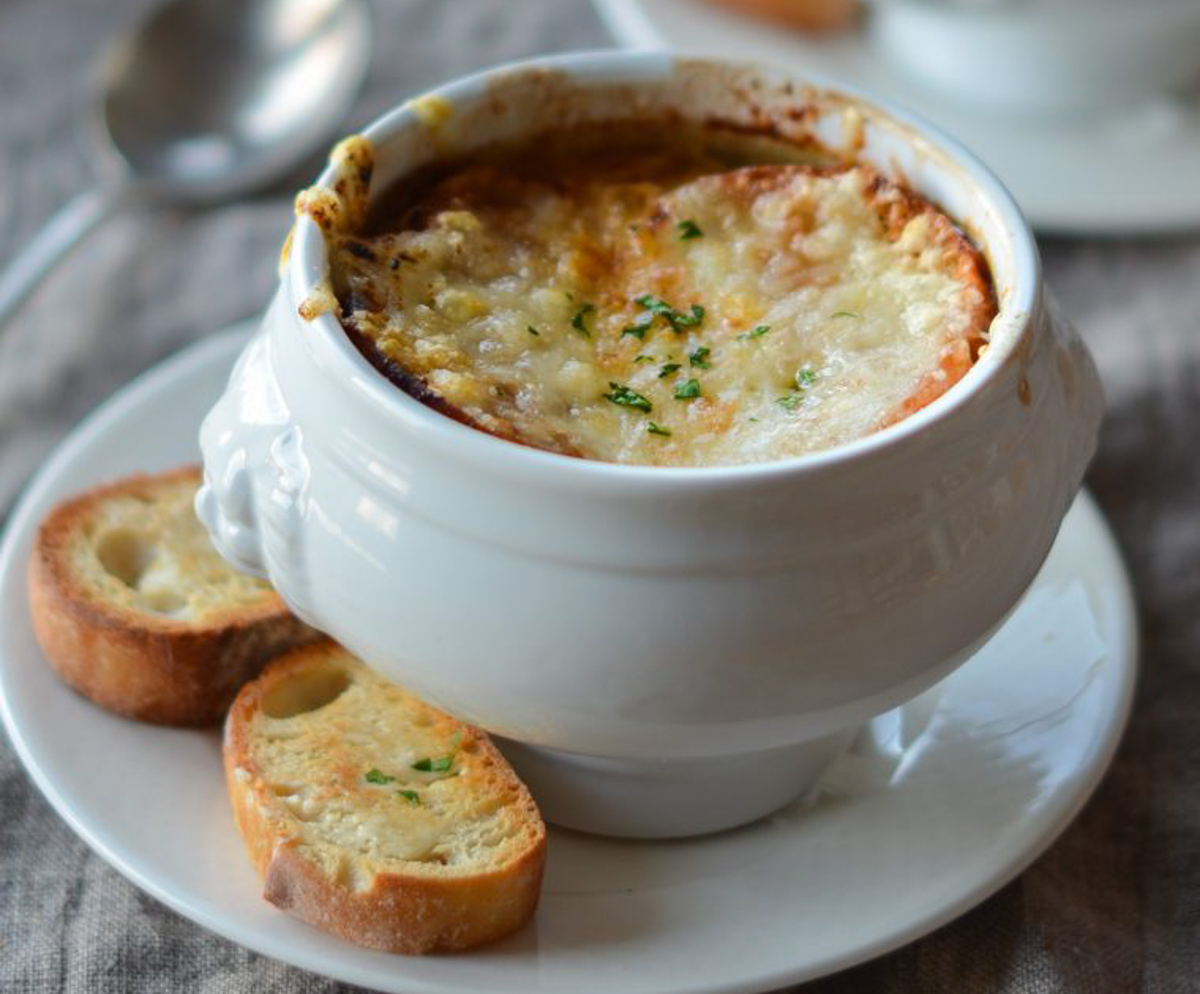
203	101
200	105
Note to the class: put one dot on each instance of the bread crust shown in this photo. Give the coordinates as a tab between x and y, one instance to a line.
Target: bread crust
412	913
897	206
151	668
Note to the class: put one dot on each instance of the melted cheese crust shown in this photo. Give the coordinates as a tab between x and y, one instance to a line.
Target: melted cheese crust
701	316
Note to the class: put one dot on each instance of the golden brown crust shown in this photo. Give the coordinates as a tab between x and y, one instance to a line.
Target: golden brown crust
611	267
143	666
897	206
417	912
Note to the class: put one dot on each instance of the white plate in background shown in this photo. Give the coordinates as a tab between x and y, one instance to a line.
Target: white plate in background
1134	173
946	799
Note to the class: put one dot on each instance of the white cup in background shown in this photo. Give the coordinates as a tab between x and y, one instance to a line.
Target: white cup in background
1051	58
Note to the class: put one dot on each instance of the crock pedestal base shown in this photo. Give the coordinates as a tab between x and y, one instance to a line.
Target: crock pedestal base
669	798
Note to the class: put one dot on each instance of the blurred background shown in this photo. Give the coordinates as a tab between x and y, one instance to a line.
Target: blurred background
1102	152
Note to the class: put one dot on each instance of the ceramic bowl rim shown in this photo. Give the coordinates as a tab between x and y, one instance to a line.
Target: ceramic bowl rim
308	266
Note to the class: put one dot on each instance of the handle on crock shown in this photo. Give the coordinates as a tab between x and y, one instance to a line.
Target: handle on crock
256	477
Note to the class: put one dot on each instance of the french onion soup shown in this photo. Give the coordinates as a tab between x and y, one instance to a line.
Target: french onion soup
672	296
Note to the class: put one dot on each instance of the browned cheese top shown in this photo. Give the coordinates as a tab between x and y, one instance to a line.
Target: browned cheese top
677	305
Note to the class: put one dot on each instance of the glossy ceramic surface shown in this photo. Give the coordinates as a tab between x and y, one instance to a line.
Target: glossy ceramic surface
645	613
936	808
1050	58
1139	161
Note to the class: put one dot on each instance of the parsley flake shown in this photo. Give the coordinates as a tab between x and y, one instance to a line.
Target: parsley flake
532	330
639	328
643	358
429	765
668	369
689	229
655	429
376	776
699	357
678	320
843	314
756	332
789	402
628	398
577	320
687	391
411	796
806	376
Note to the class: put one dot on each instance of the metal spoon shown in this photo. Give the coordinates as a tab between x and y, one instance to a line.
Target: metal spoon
205	100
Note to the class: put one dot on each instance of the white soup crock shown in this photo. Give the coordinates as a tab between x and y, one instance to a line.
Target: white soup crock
666	651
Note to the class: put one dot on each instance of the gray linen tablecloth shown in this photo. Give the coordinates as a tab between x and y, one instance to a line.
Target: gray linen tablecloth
1113	906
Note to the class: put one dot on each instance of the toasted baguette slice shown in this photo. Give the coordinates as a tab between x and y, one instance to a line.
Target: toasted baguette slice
134	608
374	816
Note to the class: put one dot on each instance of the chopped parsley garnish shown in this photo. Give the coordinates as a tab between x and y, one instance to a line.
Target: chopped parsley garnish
668	369
756	332
687	391
689	229
429	765
532	330
654	429
577	320
639	328
411	796
376	776
806	376
700	357
643	358
790	402
678	320
843	314
627	398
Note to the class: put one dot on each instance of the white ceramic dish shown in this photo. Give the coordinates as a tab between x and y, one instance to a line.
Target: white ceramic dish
1054	59
650	630
953	795
1128	172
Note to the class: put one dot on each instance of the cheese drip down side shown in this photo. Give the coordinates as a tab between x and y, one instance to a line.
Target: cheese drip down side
701	315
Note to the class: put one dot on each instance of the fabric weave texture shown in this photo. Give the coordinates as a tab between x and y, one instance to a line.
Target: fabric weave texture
1113	906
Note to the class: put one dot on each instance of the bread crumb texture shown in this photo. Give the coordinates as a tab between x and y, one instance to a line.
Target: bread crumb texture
142	548
362	805
357	764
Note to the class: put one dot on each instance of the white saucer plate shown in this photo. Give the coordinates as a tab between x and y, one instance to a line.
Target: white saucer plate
1131	173
940	803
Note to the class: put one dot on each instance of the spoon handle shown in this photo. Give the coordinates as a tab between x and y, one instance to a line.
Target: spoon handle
61	233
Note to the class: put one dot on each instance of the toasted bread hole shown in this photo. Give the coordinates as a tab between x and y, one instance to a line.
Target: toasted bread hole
125	555
166	602
352	874
305	691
